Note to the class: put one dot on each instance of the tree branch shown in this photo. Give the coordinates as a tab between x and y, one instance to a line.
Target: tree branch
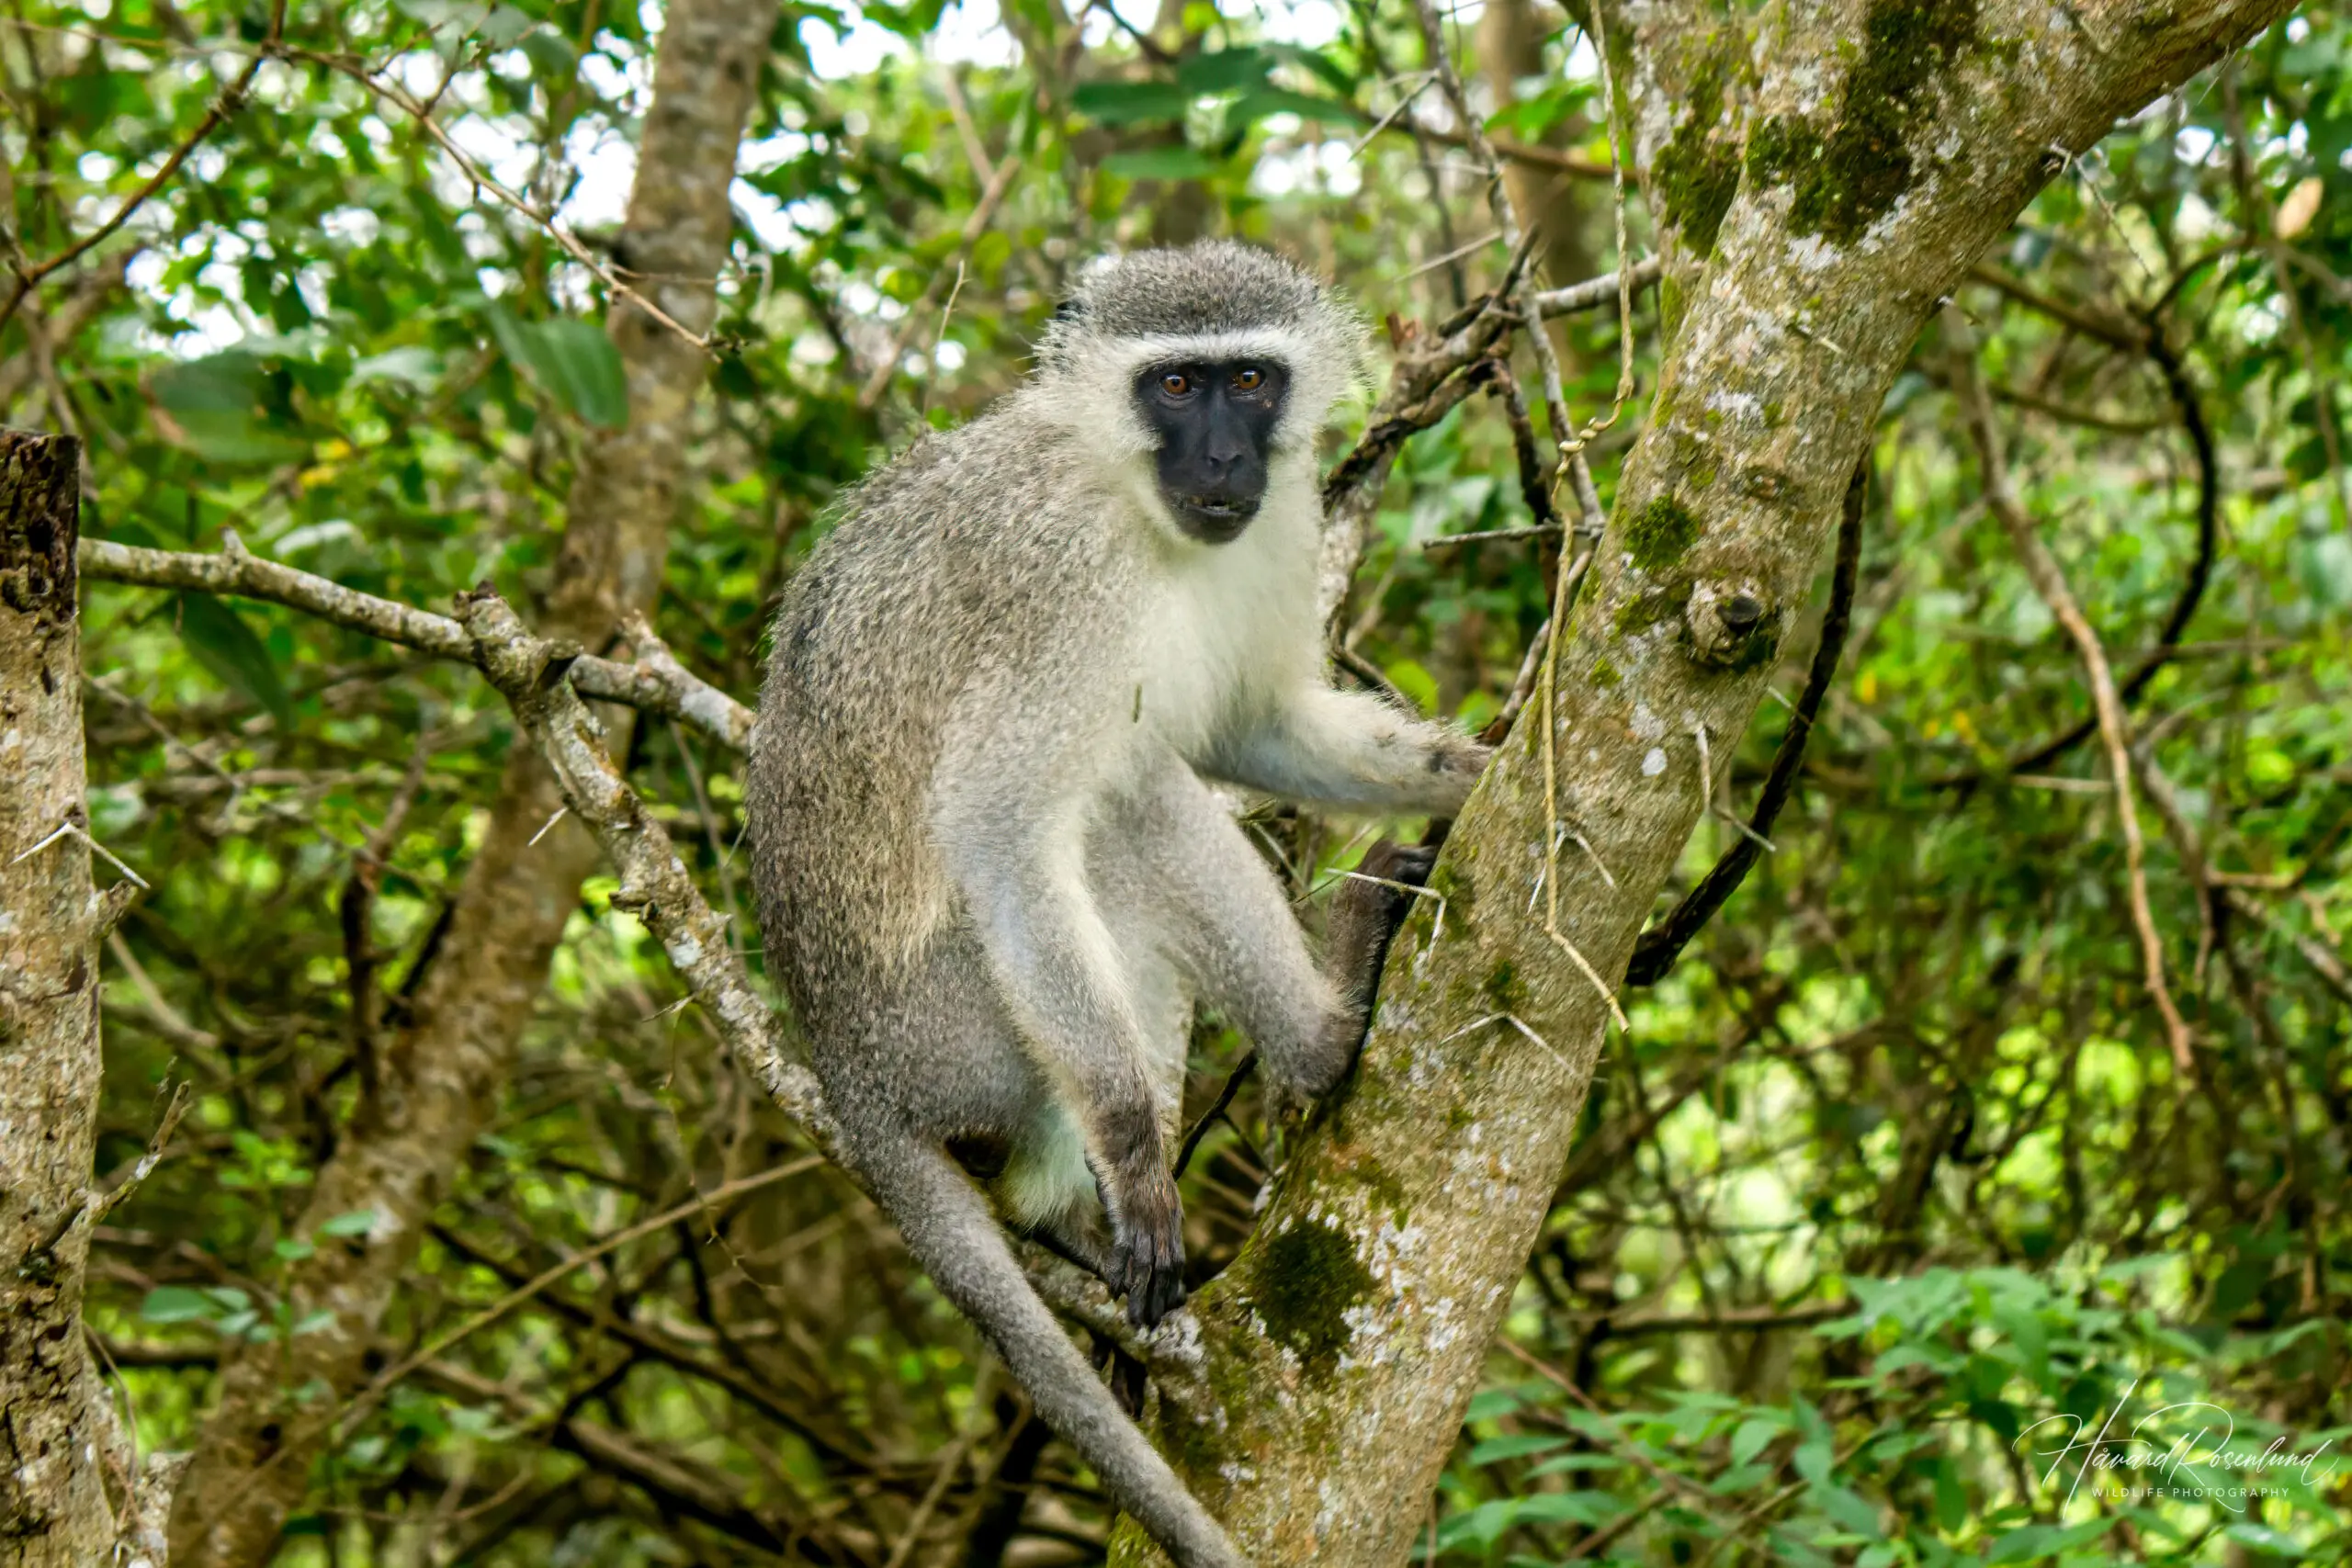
656	683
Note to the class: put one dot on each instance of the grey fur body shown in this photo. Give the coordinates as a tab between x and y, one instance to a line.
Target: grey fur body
988	868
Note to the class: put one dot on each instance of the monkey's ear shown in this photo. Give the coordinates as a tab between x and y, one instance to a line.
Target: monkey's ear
1070	309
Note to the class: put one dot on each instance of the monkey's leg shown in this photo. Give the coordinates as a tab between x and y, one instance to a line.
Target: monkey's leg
1226	915
1059	973
954	1235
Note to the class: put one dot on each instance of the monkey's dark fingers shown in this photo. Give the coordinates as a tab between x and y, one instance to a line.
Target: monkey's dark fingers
1393	862
1149	1226
1160	1291
1373	902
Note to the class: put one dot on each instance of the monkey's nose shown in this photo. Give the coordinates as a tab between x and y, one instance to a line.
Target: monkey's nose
1740	613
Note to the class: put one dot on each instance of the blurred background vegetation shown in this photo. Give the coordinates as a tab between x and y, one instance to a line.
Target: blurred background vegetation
1894	1166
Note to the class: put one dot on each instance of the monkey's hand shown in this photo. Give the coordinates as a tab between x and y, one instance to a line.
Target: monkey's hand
1458	761
1365	912
1147	1235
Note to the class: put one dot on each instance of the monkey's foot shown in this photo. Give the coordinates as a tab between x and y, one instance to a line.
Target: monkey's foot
1147	1247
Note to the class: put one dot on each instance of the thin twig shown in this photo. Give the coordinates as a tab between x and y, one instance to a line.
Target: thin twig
878	381
29	276
2049	581
1233	1082
432	1346
421	111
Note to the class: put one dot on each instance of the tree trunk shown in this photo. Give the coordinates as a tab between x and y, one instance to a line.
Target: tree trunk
56	1429
440	1078
1821	182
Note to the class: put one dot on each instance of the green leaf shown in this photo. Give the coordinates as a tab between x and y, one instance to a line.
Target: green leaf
1849	1510
1755	1435
912	22
2023	1326
215	402
1952	1499
290	1250
1570	1507
227	647
177	1303
1161	164
2262	1538
550	54
1222	70
1333	75
1490	1402
1131	103
411	365
2034	1542
1482	1525
1516	1446
219	383
313	1323
571	360
358	1222
504	25
1412	678
1259	102
1741	1478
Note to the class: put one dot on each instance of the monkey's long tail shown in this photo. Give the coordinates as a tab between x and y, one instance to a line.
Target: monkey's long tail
955	1238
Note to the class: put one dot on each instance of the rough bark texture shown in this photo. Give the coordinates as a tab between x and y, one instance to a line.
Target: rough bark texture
440	1078
1822	179
56	1430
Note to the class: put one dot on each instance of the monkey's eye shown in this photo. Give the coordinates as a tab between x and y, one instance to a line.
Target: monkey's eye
1249	378
1175	383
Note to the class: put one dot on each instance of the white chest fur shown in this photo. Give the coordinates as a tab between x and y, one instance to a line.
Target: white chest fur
1232	622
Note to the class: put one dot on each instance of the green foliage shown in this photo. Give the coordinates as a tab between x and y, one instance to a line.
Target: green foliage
575	362
1978	1416
1904	1101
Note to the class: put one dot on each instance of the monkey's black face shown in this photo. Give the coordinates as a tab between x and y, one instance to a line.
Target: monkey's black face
1215	424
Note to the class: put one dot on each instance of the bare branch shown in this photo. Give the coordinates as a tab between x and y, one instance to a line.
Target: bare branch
656	683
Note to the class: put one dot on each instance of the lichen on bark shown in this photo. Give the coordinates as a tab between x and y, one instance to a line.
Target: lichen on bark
1849	177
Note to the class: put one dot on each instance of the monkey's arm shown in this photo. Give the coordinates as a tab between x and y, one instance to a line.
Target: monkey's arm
1015	848
1353	751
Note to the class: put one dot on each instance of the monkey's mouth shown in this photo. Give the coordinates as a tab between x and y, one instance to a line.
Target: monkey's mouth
1213	518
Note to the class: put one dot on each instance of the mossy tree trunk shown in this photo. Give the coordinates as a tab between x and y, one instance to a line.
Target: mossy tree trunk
1824	174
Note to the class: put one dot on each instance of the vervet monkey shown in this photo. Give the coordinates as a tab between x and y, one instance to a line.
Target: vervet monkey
988	869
